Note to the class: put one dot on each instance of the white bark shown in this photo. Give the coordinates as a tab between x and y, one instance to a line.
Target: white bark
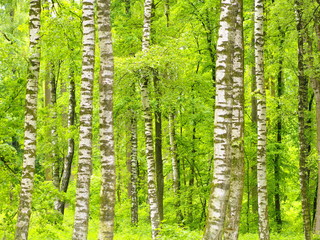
152	188
30	127
134	169
80	230
175	165
108	186
151	178
222	129
237	168
261	123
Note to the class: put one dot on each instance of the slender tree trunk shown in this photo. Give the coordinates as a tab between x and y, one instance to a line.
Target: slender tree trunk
51	99
148	4
152	190
192	173
316	89
53	102
80	230
175	165
56	166
302	110
108	186
223	128
252	164
152	179
237	168
134	169
277	158
158	144
30	124
264	233
65	178
167	11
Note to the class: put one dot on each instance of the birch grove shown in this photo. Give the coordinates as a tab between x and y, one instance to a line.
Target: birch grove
159	119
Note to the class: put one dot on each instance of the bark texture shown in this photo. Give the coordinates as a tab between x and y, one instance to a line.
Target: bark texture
134	169
222	132
302	110
147	25
237	165
151	178
108	186
80	230
147	115
261	122
66	173
30	124
175	165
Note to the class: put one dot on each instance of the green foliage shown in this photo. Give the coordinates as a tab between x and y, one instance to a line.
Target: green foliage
182	58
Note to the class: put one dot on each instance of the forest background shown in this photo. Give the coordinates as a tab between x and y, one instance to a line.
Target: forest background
181	60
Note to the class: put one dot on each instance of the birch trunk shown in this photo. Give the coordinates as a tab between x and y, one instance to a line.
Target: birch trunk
264	233
30	124
237	168
175	165
80	230
134	169
152	190
302	109
56	166
108	186
152	179
66	173
222	132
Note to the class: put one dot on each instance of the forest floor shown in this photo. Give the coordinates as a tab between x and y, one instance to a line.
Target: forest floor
44	228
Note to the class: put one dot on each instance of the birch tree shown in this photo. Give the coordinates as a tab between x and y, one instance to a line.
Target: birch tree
261	122
30	123
108	186
148	129
80	230
66	173
222	128
175	164
237	160
134	167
